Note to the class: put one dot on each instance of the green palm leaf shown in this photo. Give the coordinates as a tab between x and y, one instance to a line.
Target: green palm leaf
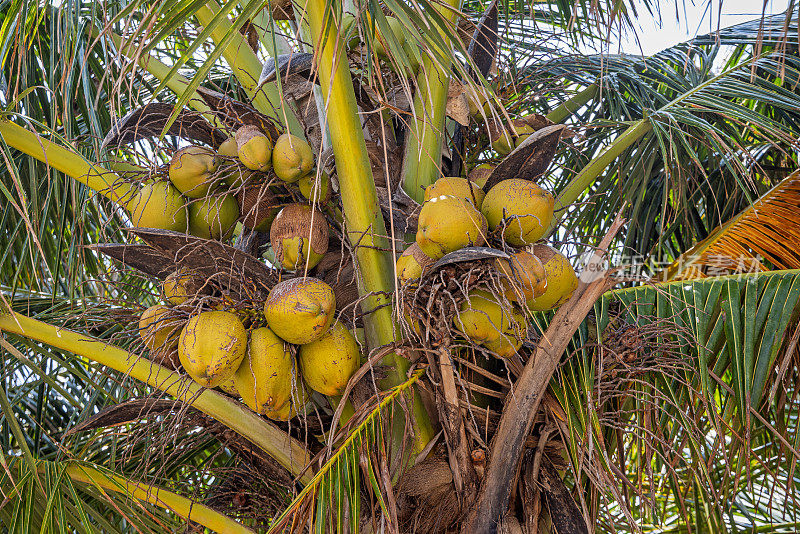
677	396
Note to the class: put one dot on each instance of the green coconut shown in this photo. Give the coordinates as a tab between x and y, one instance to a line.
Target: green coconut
192	169
315	188
292	158
213	217
159	205
229	148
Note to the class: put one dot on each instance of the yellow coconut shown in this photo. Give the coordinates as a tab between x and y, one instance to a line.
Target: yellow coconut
229	148
315	188
229	387
449	223
508	344
487	322
300	310
159	205
520	208
455	187
211	347
411	263
480	174
158	330
522	277
329	362
561	278
292	158
253	148
213	217
192	169
264	378
480	103
300	397
299	236
179	287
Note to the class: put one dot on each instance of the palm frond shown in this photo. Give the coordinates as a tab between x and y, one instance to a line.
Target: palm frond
335	491
768	229
677	393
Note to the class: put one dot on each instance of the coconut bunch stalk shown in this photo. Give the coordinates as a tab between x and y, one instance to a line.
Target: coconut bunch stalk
363	219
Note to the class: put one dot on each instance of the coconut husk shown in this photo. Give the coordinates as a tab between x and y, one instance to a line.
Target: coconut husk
426	498
237	273
336	269
234	114
303	221
149	121
257	203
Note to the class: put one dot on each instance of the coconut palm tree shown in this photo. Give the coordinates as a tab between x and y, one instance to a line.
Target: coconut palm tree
661	397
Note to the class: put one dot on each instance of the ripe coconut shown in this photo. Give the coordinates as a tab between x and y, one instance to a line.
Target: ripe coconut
449	223
253	148
480	174
264	378
292	158
213	217
329	362
522	277
229	387
211	347
411	263
158	330
299	398
229	148
300	310
159	205
561	279
259	206
191	170
455	187
314	188
487	322
299	236
179	287
520	208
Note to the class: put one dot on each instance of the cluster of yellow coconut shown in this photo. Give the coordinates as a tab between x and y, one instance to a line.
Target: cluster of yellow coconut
251	353
457	213
208	191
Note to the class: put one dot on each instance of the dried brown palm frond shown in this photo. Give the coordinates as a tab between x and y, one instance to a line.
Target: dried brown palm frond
768	229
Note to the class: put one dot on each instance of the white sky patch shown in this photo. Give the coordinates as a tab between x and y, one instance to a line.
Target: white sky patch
681	22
